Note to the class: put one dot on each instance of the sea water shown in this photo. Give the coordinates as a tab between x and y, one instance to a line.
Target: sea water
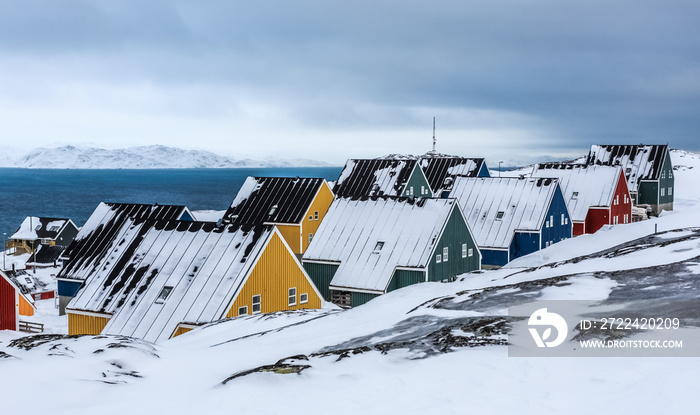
74	194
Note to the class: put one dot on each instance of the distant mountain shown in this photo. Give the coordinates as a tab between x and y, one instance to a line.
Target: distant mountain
144	157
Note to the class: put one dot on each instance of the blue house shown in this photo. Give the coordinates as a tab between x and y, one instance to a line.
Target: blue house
511	217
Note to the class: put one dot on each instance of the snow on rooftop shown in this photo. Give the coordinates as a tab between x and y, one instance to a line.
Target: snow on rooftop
639	162
374	177
521	203
593	185
34	227
352	229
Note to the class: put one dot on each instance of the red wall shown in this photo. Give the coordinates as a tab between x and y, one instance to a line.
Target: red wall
578	229
596	218
8	313
622	209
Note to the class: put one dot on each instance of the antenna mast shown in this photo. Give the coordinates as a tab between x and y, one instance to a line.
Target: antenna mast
433	134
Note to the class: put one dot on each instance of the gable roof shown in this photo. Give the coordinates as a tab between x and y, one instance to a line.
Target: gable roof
204	264
351	229
594	185
638	162
104	228
438	167
374	177
46	254
256	199
524	203
34	227
21	290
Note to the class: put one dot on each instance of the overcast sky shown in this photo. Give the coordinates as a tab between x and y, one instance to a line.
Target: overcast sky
331	80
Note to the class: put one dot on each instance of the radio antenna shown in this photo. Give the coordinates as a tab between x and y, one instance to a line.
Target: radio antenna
434	134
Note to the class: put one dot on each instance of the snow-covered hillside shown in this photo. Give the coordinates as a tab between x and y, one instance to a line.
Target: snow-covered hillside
145	157
425	349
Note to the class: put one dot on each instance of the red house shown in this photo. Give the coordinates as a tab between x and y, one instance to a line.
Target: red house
595	195
12	304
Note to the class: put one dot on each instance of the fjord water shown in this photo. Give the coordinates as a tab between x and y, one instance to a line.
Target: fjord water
74	194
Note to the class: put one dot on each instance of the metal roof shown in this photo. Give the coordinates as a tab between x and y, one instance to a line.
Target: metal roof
374	177
639	162
351	230
103	229
204	264
438	167
594	185
273	200
523	203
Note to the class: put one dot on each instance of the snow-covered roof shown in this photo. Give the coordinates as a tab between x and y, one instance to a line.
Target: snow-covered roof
34	227
593	185
438	167
203	264
638	162
22	289
374	177
102	228
523	203
273	200
352	228
46	254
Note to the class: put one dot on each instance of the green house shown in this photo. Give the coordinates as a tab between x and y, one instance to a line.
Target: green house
369	246
647	168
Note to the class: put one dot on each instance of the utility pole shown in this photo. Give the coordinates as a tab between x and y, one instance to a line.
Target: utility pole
4	250
434	141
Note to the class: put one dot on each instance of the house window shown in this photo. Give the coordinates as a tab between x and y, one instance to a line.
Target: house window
626	218
257	300
574	195
37	227
499	215
242	311
471	252
444	254
29	281
438	258
464	250
45	241
546	223
311	218
411	191
663	191
670	174
562	218
303	298
663	174
378	247
617	199
625	198
566	221
422	190
628	170
311	236
292	296
316	215
670	191
54	228
273	210
551	220
164	293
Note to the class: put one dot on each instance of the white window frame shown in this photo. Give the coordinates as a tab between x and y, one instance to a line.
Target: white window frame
464	250
438	258
167	290
245	310
445	251
303	298
562	219
470	252
663	191
292	293
258	303
311	218
670	191
316	215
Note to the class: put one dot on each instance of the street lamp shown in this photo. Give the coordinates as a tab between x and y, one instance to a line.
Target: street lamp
4	250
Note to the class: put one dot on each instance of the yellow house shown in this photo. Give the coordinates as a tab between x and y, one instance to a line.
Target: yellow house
169	277
296	205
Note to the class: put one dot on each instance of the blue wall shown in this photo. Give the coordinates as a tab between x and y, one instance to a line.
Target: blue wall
68	288
483	171
556	231
494	257
524	243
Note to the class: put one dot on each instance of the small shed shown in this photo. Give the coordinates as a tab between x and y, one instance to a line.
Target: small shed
647	168
296	205
165	278
13	303
512	217
373	245
596	195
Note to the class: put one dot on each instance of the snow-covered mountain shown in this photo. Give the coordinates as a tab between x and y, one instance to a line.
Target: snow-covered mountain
144	157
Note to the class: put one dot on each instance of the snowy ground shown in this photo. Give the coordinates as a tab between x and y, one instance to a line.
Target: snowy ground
429	348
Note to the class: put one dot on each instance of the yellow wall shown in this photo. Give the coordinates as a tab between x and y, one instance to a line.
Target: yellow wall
272	276
180	330
82	324
25	309
321	204
291	235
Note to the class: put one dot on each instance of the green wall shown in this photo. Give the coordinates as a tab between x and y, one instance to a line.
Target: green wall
321	275
416	180
404	278
455	234
357	299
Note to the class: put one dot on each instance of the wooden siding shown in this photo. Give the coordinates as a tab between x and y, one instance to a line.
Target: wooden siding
25	309
83	324
648	193
579	228
557	231
8	306
291	234
321	275
68	288
403	278
524	243
415	181
484	171
276	272
494	257
619	207
181	330
453	236
358	299
320	204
